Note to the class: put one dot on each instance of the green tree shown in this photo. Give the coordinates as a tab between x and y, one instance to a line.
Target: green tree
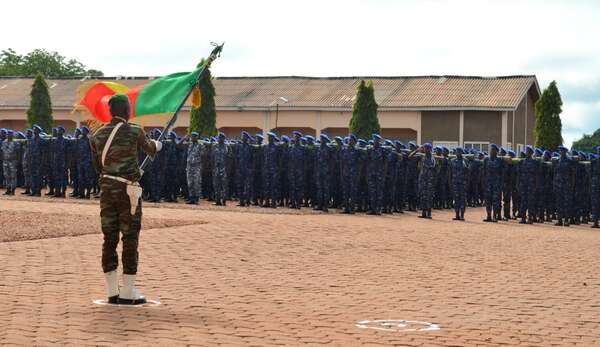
588	143
548	126
364	121
50	64
40	106
204	118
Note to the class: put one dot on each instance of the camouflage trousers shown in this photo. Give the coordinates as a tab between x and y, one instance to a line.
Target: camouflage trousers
194	179
116	220
10	173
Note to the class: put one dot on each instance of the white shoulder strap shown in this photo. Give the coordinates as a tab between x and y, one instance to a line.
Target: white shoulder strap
109	141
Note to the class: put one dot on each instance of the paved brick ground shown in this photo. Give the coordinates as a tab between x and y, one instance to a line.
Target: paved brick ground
263	277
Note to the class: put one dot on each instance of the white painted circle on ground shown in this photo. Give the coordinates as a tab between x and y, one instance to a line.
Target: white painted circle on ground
399	325
149	303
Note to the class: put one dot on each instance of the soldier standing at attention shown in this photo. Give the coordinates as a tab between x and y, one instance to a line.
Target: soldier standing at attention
508	182
375	175
26	162
219	157
244	171
194	169
528	172
459	171
36	150
426	181
323	157
271	171
493	168
564	176
114	150
296	171
85	170
59	163
9	149
595	178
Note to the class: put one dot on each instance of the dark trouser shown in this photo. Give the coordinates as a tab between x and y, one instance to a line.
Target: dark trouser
116	219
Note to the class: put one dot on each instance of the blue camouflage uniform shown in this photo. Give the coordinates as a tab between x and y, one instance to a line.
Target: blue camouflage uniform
459	174
528	174
350	175
322	172
375	176
296	171
245	170
492	174
271	172
564	176
219	158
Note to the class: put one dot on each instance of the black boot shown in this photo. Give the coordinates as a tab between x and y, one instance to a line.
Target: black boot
595	225
26	192
457	215
423	214
559	223
462	214
523	221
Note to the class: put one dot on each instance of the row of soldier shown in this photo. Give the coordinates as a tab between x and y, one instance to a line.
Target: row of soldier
351	174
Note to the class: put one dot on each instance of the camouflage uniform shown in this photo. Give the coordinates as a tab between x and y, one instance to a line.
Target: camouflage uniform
58	148
26	163
528	172
9	149
595	191
350	177
426	182
85	170
296	174
194	170
563	187
115	214
244	173
375	178
322	178
459	171
219	158
493	168
271	174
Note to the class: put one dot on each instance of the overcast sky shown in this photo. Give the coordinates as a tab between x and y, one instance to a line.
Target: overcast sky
554	40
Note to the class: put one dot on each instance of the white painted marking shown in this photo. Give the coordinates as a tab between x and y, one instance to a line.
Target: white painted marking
399	325
149	303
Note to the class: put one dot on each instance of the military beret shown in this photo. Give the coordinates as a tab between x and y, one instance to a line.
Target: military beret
303	139
398	143
412	144
376	136
271	134
371	142
445	149
259	136
35	126
598	148
388	142
458	149
494	146
221	134
427	145
362	142
21	135
285	138
2	130
9	132
554	154
296	133
195	133
547	154
246	134
352	137
118	98
511	153
538	151
339	139
60	127
85	128
309	138
325	138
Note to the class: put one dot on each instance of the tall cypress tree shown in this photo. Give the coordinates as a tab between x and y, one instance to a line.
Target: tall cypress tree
364	121
203	119
548	126
40	105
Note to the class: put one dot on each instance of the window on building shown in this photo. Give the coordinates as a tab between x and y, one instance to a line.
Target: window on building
478	145
447	144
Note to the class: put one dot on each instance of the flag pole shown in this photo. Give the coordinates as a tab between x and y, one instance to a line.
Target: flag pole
216	52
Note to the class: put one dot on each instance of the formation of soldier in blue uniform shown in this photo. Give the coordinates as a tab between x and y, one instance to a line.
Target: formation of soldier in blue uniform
352	175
